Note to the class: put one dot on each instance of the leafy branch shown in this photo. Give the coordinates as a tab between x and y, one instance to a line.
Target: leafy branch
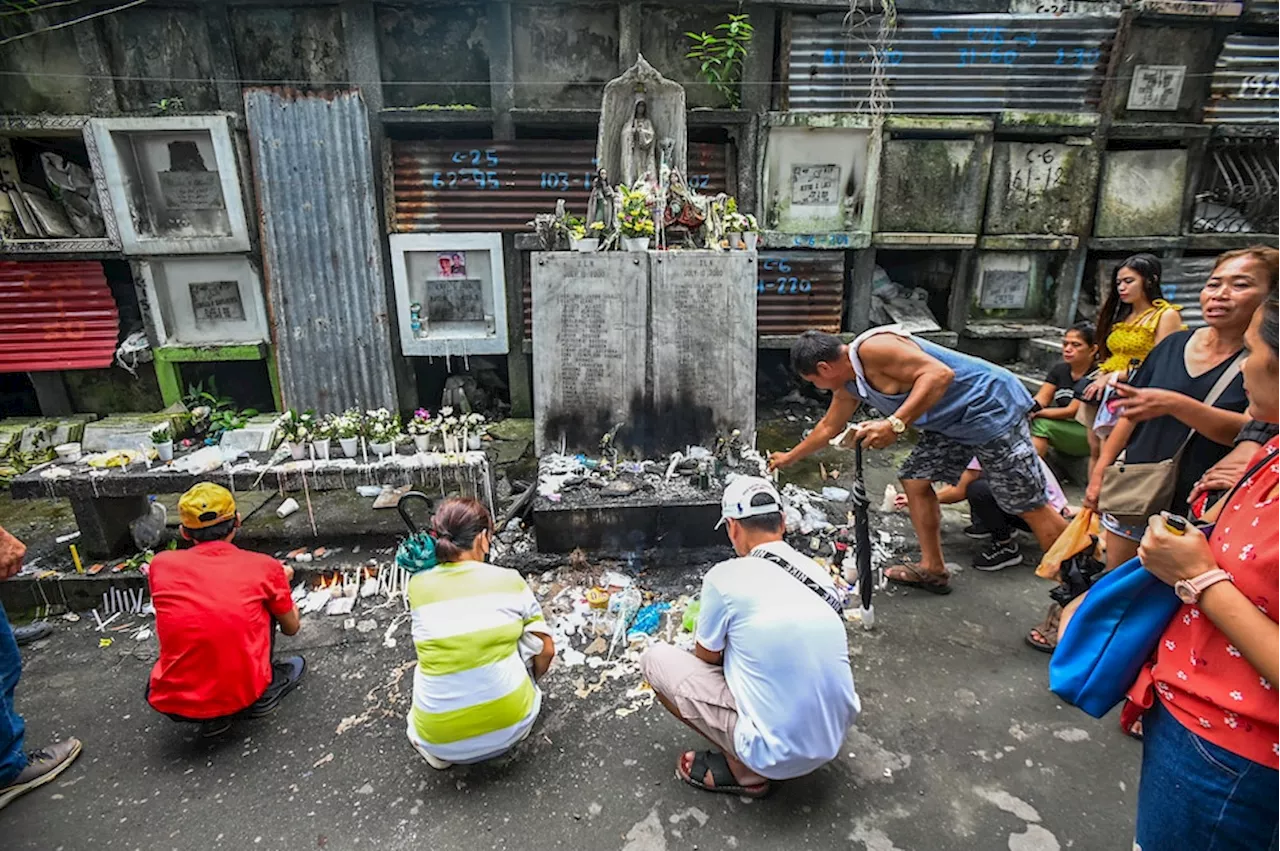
721	54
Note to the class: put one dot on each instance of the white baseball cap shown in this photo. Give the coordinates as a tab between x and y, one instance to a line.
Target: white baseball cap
738	495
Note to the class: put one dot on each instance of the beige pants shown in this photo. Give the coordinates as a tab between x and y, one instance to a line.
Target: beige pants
696	689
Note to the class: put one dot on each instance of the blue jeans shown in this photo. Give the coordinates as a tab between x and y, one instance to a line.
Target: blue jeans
1197	795
12	757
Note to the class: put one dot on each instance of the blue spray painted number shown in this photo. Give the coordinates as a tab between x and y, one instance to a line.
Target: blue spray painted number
1079	57
451	179
488	156
784	286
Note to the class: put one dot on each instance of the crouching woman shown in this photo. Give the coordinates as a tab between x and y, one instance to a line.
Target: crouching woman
481	639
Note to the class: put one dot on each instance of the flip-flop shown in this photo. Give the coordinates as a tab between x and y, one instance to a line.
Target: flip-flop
726	783
1041	645
1046	628
923	581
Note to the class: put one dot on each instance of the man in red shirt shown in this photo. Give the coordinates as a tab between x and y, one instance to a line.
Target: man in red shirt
216	610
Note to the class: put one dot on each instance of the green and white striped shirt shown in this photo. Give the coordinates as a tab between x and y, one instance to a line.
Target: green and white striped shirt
472	695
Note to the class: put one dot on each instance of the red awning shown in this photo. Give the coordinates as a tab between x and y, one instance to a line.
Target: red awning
56	316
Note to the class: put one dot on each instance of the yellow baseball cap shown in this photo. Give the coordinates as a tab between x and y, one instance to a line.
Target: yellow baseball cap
205	505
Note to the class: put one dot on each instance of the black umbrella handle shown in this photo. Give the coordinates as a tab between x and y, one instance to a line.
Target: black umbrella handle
404	513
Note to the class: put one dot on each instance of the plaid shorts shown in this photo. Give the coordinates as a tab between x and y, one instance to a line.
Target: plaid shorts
1009	464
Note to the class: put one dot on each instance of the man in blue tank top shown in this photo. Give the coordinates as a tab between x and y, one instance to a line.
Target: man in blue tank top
963	407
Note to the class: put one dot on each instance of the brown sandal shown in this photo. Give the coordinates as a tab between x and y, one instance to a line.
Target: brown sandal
1044	635
913	577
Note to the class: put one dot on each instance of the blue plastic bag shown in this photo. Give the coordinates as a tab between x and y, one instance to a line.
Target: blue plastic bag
1110	638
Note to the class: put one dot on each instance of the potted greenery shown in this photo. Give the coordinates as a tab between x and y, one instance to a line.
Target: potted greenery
162	439
347	428
636	222
474	427
421	427
578	237
324	432
298	430
382	428
449	428
734	223
751	233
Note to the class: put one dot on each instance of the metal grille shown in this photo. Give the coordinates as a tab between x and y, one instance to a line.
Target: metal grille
500	186
796	291
323	254
1239	188
56	316
1183	280
1246	86
953	63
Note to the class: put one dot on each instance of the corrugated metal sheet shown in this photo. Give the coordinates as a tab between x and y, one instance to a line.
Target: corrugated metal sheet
799	290
1262	8
1246	85
943	64
1183	280
322	248
56	316
500	186
796	291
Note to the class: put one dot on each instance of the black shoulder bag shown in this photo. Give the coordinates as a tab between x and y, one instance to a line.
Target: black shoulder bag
827	597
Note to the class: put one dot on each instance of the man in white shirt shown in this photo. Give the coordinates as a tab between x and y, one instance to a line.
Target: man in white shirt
769	682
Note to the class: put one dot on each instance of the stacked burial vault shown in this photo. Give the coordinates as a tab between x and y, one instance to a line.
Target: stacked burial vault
662	343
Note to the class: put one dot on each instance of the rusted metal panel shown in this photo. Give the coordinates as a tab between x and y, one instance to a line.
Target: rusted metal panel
485	186
796	291
799	290
1182	282
322	249
1246	85
939	64
56	316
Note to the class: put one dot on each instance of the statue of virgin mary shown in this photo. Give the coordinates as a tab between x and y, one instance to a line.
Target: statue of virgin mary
638	139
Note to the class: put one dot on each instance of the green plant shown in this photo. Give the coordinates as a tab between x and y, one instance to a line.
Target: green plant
162	433
165	106
721	54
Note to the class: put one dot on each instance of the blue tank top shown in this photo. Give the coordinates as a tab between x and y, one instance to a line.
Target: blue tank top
983	402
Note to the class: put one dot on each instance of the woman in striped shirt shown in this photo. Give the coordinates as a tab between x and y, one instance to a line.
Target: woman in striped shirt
481	641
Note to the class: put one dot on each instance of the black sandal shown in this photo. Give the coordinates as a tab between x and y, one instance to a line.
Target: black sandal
713	761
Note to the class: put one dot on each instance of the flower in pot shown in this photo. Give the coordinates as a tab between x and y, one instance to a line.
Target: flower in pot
382	428
421	427
162	439
734	223
751	233
326	429
636	221
476	428
579	238
298	430
346	427
450	429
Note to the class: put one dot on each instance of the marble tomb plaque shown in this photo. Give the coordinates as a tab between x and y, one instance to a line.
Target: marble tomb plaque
589	333
703	336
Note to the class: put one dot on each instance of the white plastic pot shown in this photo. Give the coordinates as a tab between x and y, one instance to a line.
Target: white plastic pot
586	245
322	449
298	451
381	449
751	239
735	241
635	243
349	445
165	450
422	442
473	441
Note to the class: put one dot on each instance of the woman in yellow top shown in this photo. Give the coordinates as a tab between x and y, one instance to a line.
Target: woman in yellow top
1133	318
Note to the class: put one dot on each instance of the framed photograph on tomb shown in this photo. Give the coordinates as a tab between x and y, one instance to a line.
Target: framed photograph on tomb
174	183
195	301
451	293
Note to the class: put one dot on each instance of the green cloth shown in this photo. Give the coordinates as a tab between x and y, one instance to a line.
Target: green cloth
1066	436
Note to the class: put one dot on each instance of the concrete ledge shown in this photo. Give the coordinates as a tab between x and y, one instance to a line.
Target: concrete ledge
890	239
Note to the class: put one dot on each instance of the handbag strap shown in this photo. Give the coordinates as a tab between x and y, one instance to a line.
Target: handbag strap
827	597
1219	387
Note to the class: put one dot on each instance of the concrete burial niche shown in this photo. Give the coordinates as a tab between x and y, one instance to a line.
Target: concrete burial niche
703	335
660	344
590	319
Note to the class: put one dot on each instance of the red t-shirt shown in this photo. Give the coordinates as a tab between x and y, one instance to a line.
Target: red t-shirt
214	606
1203	680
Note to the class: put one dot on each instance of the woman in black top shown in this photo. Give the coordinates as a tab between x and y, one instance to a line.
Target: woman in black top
1053	423
1164	399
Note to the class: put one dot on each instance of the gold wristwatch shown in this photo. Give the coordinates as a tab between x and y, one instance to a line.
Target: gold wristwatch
896	424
